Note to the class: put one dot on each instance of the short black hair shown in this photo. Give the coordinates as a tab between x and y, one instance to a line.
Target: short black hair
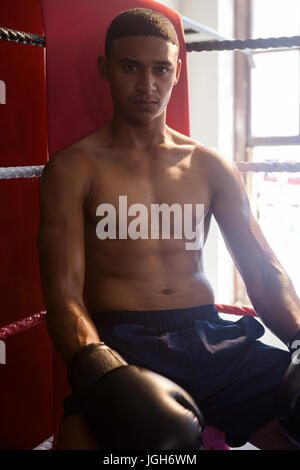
140	22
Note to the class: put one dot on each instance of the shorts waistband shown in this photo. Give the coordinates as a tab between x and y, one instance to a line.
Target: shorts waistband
169	319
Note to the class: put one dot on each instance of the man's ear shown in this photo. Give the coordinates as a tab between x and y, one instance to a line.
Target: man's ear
102	67
179	64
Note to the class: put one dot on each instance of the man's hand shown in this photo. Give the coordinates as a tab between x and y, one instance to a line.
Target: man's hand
128	407
269	288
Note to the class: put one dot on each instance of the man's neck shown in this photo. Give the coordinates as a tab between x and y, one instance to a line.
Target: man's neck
139	136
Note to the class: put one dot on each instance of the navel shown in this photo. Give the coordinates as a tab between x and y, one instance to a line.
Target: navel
167	292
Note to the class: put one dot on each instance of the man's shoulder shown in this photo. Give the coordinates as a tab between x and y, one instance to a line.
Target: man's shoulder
223	176
68	173
221	173
209	155
216	163
73	159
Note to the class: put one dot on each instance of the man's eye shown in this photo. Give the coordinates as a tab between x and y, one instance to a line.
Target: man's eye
130	68
162	69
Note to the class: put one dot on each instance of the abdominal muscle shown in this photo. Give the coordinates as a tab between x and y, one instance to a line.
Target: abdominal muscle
129	295
149	284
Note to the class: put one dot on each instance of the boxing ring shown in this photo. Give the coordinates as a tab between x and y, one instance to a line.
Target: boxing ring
37	121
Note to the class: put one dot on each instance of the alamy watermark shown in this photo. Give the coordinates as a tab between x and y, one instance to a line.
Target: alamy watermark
2	352
295	350
2	92
139	228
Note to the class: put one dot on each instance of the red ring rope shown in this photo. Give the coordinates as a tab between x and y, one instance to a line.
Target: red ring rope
37	318
21	325
234	310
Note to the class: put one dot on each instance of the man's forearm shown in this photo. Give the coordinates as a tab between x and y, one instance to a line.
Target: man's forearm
276	302
69	326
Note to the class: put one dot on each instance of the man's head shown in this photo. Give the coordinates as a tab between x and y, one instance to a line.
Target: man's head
141	63
140	22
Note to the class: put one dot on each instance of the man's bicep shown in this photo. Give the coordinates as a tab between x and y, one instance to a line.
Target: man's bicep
230	204
61	232
241	232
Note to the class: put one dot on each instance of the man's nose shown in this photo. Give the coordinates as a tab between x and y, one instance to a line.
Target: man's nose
146	81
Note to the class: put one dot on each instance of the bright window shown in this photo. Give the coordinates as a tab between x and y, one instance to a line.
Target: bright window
275	94
276	205
275	18
268	122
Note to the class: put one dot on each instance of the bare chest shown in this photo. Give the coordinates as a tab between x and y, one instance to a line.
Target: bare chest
140	188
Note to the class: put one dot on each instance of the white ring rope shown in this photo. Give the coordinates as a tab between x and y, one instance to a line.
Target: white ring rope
268	167
13	172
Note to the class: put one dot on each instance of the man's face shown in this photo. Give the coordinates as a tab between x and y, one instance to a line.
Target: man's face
142	71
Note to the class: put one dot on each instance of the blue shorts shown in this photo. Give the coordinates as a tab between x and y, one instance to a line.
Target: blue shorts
231	375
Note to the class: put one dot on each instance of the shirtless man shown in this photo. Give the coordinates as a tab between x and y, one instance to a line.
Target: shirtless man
148	298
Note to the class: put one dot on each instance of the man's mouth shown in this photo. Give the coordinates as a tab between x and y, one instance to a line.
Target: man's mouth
146	104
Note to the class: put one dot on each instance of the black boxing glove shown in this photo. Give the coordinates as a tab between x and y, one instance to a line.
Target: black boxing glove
129	407
289	394
90	363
